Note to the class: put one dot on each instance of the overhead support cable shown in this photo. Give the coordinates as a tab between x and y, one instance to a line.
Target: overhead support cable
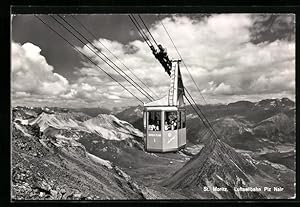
204	123
183	62
208	122
148	30
74	47
140	30
88	31
160	54
141	90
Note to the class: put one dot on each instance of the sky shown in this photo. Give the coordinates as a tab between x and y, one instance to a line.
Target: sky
231	57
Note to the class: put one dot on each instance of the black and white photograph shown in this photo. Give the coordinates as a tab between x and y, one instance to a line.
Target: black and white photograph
153	106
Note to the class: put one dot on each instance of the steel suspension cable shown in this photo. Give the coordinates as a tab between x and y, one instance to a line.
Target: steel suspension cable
141	29
148	30
208	122
87	57
88	31
142	92
136	24
200	117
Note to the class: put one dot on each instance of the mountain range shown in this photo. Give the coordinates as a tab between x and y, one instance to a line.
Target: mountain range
71	154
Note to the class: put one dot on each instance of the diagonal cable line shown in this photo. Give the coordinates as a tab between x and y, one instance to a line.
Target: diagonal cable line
183	62
208	122
141	29
143	92
204	123
147	29
140	89
88	31
87	57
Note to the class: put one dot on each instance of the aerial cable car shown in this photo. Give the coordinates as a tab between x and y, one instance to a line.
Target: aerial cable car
165	118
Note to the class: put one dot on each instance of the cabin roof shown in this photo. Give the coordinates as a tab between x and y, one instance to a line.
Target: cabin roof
159	102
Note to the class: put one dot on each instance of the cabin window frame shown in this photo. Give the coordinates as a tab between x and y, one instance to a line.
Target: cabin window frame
165	119
159	119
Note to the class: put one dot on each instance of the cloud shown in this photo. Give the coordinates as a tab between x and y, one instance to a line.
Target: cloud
32	74
224	89
34	82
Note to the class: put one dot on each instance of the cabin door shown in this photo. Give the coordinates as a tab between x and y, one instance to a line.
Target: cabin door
154	135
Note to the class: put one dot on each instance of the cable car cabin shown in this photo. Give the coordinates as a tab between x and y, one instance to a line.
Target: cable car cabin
165	118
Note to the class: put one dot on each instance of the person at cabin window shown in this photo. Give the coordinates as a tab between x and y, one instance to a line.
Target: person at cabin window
157	128
173	125
171	121
151	127
167	126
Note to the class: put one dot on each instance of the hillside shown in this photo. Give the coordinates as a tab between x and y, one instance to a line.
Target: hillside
49	167
216	165
219	165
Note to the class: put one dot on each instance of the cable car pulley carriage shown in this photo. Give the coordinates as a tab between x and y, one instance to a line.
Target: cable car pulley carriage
165	118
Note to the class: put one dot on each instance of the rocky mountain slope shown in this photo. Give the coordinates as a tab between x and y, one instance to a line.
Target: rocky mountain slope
110	127
220	169
132	115
48	167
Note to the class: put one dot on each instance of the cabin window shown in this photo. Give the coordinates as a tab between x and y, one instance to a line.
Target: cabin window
154	121
183	119
170	120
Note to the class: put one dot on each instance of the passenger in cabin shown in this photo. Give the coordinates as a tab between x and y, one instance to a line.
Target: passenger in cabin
171	121
173	125
151	127
157	128
167	126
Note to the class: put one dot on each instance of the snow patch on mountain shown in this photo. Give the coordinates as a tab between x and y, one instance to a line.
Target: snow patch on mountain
21	129
22	121
107	126
98	160
59	121
110	127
